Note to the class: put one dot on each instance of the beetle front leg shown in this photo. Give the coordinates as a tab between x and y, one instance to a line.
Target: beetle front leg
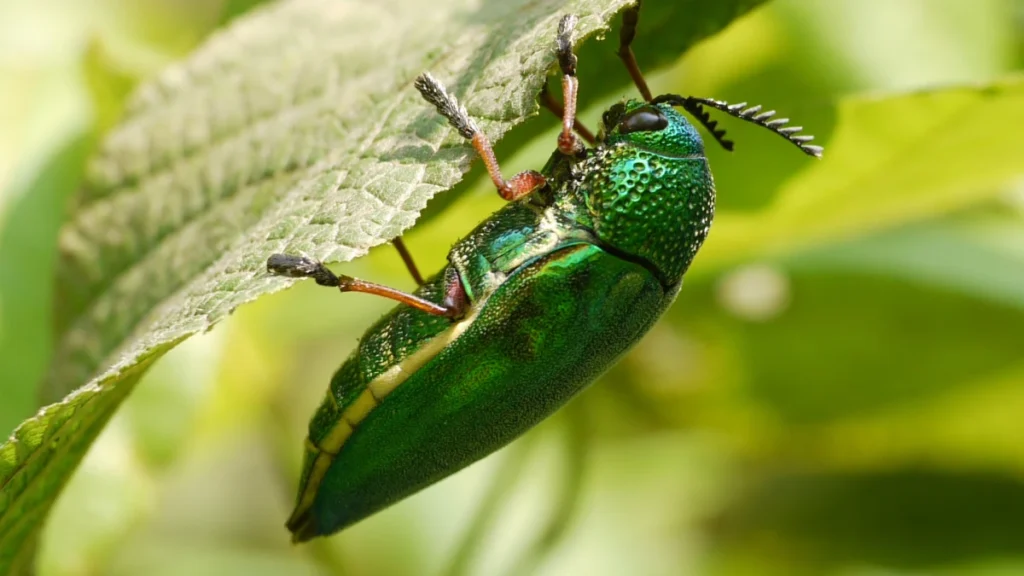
630	18
518	186
455	299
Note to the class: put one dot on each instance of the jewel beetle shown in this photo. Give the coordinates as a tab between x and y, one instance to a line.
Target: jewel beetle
535	303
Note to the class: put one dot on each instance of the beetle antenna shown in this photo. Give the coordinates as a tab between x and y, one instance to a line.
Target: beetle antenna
752	114
704	117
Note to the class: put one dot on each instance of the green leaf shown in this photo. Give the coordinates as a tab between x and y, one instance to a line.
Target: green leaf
893	159
296	129
911	518
983	259
28	241
852	343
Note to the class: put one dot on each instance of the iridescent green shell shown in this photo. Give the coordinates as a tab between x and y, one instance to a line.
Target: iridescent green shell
560	285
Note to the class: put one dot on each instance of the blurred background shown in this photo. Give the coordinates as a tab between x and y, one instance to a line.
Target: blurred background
852	406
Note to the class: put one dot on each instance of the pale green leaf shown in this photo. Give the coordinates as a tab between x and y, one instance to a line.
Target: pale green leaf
28	238
892	160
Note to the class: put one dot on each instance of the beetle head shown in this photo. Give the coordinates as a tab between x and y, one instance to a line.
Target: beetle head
655	127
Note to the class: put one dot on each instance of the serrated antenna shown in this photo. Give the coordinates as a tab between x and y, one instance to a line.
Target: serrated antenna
752	114
702	115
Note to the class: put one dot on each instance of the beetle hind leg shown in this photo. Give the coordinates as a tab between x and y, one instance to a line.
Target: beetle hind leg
455	301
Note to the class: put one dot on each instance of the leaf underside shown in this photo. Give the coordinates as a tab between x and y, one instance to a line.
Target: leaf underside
295	129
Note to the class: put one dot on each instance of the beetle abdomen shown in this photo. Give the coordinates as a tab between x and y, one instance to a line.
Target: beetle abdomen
391	350
484	386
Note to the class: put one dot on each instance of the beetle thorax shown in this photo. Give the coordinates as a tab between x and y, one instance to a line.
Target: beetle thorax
649	198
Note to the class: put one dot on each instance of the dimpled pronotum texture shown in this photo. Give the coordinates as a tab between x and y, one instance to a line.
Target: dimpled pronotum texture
655	198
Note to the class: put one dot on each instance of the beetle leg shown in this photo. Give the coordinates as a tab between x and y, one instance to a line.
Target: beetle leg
548	101
518	186
630	18
568	143
305	267
350	284
410	264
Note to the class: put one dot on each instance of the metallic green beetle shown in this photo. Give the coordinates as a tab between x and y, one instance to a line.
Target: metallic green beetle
534	304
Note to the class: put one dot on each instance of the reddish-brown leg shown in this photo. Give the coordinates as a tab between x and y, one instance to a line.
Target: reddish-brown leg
568	143
518	186
548	101
455	300
410	264
630	18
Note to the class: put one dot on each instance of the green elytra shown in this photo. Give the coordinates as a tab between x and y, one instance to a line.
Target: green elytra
533	305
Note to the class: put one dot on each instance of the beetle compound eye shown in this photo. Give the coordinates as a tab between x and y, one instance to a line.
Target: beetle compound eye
611	116
643	120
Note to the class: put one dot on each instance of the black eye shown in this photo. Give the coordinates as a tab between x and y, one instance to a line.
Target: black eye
613	114
643	120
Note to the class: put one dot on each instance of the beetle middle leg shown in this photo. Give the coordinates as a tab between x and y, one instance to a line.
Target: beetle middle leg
453	306
518	186
568	143
410	264
548	101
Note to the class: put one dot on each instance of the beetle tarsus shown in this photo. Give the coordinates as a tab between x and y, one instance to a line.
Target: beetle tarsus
447	105
293	266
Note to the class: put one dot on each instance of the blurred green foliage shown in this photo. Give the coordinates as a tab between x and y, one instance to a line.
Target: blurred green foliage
838	390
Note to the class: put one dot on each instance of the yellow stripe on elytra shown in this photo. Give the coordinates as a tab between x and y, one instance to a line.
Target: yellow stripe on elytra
316	474
369	399
358	410
386	383
338	435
